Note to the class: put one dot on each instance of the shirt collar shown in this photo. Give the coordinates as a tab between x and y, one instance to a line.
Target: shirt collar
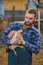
28	27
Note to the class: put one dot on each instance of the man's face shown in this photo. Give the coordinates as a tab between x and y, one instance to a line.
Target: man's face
29	18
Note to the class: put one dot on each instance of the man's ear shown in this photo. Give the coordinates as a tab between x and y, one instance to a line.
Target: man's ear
35	19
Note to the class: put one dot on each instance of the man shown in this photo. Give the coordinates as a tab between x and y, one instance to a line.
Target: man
30	40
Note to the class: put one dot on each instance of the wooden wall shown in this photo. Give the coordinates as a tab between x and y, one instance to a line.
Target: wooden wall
19	4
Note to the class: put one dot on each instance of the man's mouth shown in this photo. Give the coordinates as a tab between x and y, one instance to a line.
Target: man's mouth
28	23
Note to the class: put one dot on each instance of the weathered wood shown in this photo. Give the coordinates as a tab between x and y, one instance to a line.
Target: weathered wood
3	25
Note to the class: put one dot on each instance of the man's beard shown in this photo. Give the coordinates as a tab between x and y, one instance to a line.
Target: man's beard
29	24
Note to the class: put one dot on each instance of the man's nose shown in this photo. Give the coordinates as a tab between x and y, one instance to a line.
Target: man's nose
27	19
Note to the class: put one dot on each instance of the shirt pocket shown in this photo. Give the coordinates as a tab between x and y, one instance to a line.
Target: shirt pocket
31	38
25	36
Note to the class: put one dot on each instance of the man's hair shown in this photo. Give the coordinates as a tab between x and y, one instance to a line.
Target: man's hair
31	11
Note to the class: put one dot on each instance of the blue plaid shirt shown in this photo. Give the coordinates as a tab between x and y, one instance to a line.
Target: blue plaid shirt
31	37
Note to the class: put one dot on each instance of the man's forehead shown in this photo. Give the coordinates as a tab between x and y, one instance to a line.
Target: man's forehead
29	15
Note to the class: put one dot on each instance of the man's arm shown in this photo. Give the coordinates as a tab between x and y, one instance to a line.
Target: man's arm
5	39
35	47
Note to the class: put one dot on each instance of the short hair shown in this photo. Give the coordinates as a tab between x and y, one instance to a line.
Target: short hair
31	11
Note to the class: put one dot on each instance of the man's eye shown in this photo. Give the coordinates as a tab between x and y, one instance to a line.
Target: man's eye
29	18
26	17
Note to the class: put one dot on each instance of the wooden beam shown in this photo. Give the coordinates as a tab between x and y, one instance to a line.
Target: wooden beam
39	20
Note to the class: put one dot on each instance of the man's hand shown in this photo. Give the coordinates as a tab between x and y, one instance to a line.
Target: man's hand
21	40
11	34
